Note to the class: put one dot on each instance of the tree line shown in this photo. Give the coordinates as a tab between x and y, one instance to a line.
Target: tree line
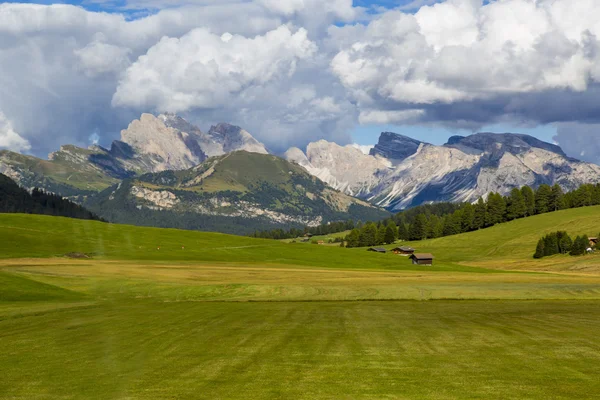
496	209
430	221
14	199
561	243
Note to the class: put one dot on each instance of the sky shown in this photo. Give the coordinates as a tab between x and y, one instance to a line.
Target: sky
295	71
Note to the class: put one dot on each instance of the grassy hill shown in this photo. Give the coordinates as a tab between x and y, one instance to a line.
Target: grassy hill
237	193
511	245
163	314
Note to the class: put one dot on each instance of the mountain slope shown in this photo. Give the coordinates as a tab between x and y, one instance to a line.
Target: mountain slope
237	193
14	199
397	175
150	144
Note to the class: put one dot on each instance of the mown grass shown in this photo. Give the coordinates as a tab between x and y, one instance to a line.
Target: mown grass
399	350
231	317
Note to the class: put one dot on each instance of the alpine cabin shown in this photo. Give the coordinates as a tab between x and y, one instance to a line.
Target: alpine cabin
422	259
378	249
404	251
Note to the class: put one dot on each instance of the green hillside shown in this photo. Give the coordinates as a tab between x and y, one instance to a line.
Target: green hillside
70	176
512	244
237	193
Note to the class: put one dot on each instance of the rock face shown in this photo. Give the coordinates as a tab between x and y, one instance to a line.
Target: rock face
395	147
228	138
344	168
150	144
397	176
159	147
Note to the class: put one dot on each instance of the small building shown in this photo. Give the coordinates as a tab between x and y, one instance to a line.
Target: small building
404	251
422	259
593	241
308	235
321	242
378	249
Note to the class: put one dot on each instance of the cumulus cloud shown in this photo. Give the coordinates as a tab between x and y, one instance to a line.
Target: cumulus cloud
9	139
204	70
462	50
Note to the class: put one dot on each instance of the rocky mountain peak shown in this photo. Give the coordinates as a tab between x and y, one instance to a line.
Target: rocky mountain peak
233	138
395	146
163	147
503	142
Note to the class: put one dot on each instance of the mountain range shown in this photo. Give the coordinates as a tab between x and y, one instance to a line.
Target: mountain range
401	172
168	171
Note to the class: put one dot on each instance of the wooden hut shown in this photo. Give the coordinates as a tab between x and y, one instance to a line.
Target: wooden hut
404	251
593	241
378	249
422	259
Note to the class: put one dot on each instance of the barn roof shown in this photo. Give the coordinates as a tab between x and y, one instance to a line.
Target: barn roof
423	256
404	248
378	249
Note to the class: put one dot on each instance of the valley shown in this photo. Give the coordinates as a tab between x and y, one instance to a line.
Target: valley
162	313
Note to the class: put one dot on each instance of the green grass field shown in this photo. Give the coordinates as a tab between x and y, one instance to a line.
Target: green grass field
167	314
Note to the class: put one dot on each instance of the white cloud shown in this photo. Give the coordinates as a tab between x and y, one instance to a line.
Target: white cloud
201	70
9	139
98	58
390	117
462	50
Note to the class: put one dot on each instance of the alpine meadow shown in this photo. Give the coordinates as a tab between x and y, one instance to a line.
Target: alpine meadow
96	310
299	199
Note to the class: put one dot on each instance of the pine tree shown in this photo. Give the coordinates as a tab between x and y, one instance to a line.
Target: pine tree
468	216
516	207
496	209
390	233
551	245
417	228
539	250
529	199
480	214
556	201
368	235
402	231
353	238
452	224
542	199
579	246
565	243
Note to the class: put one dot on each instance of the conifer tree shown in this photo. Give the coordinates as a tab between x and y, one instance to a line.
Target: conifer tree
468	216
556	201
539	250
529	199
402	231
542	199
353	239
516	207
390	233
368	235
417	228
480	214
496	209
565	243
